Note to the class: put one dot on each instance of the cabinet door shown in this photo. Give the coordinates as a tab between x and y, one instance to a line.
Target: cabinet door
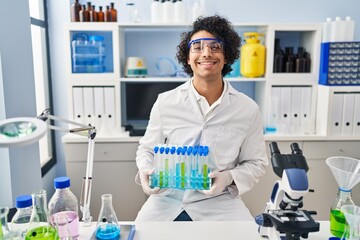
116	178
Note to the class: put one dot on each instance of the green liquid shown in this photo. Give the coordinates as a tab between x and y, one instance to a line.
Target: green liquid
1	231
338	225
161	179
42	233
182	174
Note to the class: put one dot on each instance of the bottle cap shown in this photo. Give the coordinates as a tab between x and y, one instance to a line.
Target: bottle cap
96	38
62	182
23	201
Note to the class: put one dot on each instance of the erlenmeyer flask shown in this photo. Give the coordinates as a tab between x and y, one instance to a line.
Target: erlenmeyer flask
107	225
40	228
352	215
338	225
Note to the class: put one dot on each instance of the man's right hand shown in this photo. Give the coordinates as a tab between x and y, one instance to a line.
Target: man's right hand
144	175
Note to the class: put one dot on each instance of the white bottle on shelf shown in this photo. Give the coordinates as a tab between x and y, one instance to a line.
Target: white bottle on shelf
337	30
156	12
168	11
349	29
179	11
326	30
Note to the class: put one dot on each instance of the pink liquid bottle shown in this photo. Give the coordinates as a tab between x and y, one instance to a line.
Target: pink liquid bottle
63	209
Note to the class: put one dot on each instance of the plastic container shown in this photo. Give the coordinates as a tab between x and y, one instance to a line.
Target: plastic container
168	12
156	12
326	33
88	54
63	209
349	29
21	220
179	11
252	56
337	30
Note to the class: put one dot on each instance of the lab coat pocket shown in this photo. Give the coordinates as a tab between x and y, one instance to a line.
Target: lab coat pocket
228	142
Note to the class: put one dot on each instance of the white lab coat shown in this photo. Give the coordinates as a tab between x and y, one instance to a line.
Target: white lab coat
234	134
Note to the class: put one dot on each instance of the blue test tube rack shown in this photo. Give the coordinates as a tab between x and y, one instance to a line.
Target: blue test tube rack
181	167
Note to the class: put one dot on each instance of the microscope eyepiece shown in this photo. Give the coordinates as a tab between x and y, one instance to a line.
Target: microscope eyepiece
274	148
295	149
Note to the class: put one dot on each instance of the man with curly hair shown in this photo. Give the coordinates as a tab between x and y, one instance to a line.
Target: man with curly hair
208	111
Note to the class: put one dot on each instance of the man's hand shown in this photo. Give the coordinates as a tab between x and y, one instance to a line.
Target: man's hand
144	179
220	180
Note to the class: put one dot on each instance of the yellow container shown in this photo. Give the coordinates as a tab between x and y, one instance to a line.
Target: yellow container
252	56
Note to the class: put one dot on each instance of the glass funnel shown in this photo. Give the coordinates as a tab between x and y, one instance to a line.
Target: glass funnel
107	226
352	216
345	170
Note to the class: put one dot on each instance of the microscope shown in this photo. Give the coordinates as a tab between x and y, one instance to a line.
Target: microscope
282	218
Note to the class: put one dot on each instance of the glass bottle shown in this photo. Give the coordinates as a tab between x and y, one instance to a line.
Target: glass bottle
82	15
75	9
108	14
338	225
107	226
113	12
63	209
100	15
21	219
93	14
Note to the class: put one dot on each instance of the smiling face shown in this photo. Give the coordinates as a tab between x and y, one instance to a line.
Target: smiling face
206	65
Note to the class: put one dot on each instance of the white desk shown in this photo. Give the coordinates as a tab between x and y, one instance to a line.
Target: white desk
216	230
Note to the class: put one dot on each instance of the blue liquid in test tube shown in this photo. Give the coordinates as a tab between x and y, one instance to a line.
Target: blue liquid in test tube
154	175
161	167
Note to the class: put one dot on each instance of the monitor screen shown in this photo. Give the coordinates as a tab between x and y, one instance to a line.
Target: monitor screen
137	100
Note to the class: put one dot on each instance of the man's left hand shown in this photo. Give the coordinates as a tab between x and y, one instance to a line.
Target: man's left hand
220	180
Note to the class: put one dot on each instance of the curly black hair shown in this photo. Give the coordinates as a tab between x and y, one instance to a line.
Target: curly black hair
222	29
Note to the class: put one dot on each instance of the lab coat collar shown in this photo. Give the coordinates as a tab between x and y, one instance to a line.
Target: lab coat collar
225	102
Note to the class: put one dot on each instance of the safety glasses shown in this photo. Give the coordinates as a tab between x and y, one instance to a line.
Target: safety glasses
198	45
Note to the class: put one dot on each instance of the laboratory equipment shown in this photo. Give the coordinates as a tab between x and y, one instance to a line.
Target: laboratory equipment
252	56
23	131
282	218
63	209
39	225
107	226
21	220
4	229
352	216
181	167
135	67
347	174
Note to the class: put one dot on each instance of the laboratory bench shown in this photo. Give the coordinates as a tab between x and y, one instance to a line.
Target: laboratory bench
209	230
115	170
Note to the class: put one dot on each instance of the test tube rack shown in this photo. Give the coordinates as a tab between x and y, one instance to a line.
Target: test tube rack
181	167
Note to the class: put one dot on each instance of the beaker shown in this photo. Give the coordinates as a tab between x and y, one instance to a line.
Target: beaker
352	216
107	226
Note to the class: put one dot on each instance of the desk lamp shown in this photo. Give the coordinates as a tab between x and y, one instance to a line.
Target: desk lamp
23	131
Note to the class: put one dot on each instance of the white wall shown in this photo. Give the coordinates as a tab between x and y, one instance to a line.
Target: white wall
257	11
20	171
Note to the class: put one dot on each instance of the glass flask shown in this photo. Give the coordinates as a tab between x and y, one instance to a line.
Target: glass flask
107	226
5	233
352	216
39	225
338	225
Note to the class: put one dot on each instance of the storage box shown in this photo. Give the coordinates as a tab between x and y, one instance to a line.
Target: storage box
340	63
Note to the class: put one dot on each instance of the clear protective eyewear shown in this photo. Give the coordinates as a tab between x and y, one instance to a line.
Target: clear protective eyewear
198	45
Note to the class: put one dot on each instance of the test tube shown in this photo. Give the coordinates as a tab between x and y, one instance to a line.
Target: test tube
161	167
183	168
201	167
206	170
172	166
154	175
166	167
177	167
194	167
189	166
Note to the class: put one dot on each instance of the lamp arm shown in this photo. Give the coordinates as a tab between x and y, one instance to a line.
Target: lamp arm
87	181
